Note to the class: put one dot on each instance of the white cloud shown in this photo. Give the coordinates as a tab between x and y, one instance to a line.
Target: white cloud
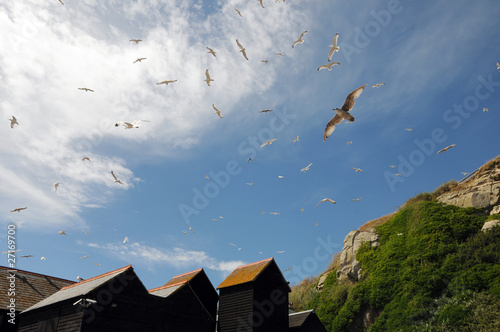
136	253
53	50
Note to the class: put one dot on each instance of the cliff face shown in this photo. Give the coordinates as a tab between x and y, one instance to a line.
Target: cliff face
482	190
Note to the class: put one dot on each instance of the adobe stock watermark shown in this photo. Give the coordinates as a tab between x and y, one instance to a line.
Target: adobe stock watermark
371	30
453	116
219	180
104	297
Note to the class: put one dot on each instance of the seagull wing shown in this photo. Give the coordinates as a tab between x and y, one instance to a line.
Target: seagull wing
114	176
330	126
244	54
350	100
136	122
239	45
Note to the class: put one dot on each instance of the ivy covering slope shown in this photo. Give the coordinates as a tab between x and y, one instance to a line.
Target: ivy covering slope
435	270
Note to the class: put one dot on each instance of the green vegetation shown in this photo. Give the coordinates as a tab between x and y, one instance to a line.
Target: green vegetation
435	270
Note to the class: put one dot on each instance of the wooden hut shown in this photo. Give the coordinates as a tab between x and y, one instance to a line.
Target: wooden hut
305	321
29	288
188	303
254	297
113	301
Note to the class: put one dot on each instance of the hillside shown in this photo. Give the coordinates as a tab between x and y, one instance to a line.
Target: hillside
427	267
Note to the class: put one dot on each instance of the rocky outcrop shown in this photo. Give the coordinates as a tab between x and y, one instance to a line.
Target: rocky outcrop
490	224
480	191
349	267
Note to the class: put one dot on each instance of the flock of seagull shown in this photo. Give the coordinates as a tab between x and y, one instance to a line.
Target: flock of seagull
342	113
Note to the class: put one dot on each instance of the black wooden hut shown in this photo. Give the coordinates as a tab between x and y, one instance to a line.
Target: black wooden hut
305	321
114	301
254	297
21	289
188	303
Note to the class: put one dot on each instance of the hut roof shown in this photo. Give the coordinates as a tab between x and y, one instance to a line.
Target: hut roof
30	287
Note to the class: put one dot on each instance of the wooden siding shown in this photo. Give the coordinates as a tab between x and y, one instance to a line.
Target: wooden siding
235	309
67	317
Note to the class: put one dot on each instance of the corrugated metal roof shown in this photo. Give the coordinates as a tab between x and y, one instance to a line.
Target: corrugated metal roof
245	273
80	288
298	318
166	291
30	287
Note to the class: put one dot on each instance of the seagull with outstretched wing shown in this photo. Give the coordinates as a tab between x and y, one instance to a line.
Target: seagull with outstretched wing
19	209
300	39
139	60
86	89
13	122
208	79
328	65
242	49
211	51
333	47
130	125
268	142
136	40
326	200
239	13
116	179
167	82
378	85
217	111
446	148
343	113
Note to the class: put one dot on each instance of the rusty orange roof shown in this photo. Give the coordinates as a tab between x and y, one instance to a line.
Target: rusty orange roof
245	273
182	278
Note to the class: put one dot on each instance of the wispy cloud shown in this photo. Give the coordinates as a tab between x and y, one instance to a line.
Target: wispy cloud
136	253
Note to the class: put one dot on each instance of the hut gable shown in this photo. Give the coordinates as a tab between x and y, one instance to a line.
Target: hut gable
305	321
189	303
30	288
116	300
254	297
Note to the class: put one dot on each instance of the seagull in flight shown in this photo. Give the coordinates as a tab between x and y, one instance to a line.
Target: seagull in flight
85	158
84	257
191	228
328	66
446	148
300	40
305	169
239	13
56	185
211	51
275	213
295	139
281	177
357	169
392	166
85	232
343	113
349	142
280	251
409	129
128	125
249	183
279	53
43	258
206	177
465	173
485	109
139	60
378	85
19	209
265	61
333	47
13	121
268	142
62	233
167	82
242	49
265	111
217	111
26	256
356	199
61	2
116	179
125	239
86	89
97	264
136	40
261	3
208	79
326	200
498	66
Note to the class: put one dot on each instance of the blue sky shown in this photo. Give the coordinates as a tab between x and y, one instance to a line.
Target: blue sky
438	60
